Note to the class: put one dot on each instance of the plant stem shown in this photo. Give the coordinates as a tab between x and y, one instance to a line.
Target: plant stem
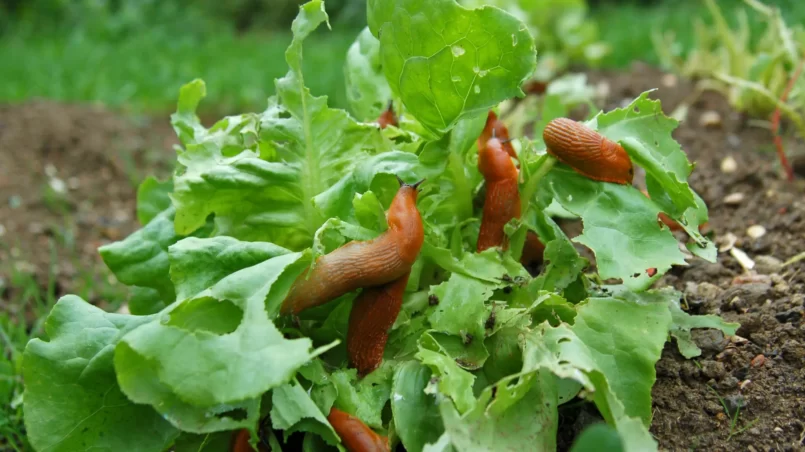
775	123
463	189
543	166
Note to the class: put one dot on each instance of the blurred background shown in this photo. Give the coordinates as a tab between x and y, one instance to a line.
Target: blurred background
134	54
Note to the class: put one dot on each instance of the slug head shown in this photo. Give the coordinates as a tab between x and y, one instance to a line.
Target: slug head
403	219
495	128
495	163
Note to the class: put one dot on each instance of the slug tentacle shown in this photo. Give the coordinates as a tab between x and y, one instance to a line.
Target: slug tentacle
588	152
373	314
354	434
495	128
388	117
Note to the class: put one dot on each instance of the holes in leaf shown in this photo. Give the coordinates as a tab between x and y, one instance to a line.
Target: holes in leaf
563	362
284	114
637	110
564	339
207	314
237	414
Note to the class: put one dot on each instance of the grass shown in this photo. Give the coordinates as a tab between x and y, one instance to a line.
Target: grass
628	27
734	429
143	73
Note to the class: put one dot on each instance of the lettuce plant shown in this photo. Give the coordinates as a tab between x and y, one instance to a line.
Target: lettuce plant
483	354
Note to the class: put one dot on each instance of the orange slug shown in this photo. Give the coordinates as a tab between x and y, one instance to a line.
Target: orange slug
372	316
240	442
670	222
388	117
502	201
533	251
535	87
365	263
355	435
588	152
495	128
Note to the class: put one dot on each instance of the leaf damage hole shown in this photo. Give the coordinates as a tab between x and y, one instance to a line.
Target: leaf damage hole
207	314
564	339
237	414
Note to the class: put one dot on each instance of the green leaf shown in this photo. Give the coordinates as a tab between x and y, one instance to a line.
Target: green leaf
598	437
364	398
368	93
563	353
292	410
259	174
445	61
461	308
647	131
620	227
210	442
416	414
453	381
152	198
141	259
684	322
72	399
220	346
145	301
196	264
370	212
626	355
521	416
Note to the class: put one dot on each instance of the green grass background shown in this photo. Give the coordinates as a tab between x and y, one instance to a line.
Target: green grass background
142	71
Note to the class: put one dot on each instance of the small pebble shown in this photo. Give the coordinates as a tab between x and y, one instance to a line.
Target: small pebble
58	185
768	265
778	429
734	403
733	199
726	242
14	201
50	170
729	165
758	361
710	119
734	140
73	183
756	231
669	80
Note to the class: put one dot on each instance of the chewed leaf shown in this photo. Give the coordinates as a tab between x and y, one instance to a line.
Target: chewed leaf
416	414
684	322
645	132
292	410
620	227
445	61
218	347
72	397
461	308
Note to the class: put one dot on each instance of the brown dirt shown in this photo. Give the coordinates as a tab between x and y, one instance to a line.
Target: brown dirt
68	178
768	302
99	156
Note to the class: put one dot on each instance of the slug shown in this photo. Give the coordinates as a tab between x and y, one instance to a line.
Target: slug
495	128
533	251
355	435
240	442
363	263
502	201
670	222
588	152
388	117
372	316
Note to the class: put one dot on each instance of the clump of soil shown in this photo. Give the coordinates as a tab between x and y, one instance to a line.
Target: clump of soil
68	177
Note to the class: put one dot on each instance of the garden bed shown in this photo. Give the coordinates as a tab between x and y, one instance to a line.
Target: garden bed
100	157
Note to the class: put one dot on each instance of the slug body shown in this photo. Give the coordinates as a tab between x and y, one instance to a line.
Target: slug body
533	252
388	117
372	316
366	263
355	435
502	201
588	152
495	128
240	442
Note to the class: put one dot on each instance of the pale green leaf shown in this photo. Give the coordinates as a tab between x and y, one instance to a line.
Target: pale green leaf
416	414
368	93
72	399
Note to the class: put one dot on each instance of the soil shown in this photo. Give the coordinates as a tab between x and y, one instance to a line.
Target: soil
53	235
